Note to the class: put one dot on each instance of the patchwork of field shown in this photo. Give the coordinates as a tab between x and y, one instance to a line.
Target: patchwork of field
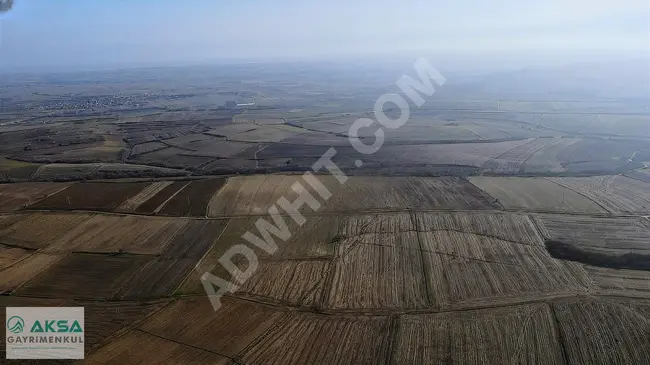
389	271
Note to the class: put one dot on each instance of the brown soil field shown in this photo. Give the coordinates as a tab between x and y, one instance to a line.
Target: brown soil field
230	330
15	276
143	348
618	194
318	239
152	204
255	194
609	235
603	332
84	276
465	269
512	161
513	227
194	240
106	320
370	276
39	230
301	340
147	193
535	194
290	282
11	255
193	200
515	335
633	283
103	196
125	234
158	278
15	196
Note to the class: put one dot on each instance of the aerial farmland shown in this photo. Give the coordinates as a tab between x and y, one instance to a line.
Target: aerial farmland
197	224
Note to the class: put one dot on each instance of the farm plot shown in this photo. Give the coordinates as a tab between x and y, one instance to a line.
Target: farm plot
535	194
102	196
530	273
124	234
617	194
468	269
268	133
318	239
219	149
84	276
142	348
603	332
230	130
547	159
193	200
316	339
512	227
15	196
514	335
65	171
13	277
256	194
633	283
105	320
147	147
291	282
512	161
380	277
156	202
11	255
147	193
227	331
609	235
641	175
39	230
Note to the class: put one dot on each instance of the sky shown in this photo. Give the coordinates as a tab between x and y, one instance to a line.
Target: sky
71	33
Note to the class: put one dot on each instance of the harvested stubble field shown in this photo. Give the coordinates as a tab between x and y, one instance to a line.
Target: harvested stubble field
39	230
84	276
512	161
102	196
536	194
256	194
351	286
618	194
609	235
192	200
515	335
15	196
124	234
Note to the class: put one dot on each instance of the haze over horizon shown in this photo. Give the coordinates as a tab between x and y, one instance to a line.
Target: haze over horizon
72	33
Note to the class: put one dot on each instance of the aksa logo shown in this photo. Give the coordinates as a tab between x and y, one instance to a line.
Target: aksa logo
56	326
15	324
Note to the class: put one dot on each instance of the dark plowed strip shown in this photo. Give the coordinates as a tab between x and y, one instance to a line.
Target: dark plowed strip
193	200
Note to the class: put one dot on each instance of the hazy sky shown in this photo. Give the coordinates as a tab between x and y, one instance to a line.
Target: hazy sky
105	32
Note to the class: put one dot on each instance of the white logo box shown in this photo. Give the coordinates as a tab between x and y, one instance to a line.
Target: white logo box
45	333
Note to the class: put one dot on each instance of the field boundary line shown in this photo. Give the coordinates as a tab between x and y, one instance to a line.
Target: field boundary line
185	344
162	205
558	332
425	273
582	194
